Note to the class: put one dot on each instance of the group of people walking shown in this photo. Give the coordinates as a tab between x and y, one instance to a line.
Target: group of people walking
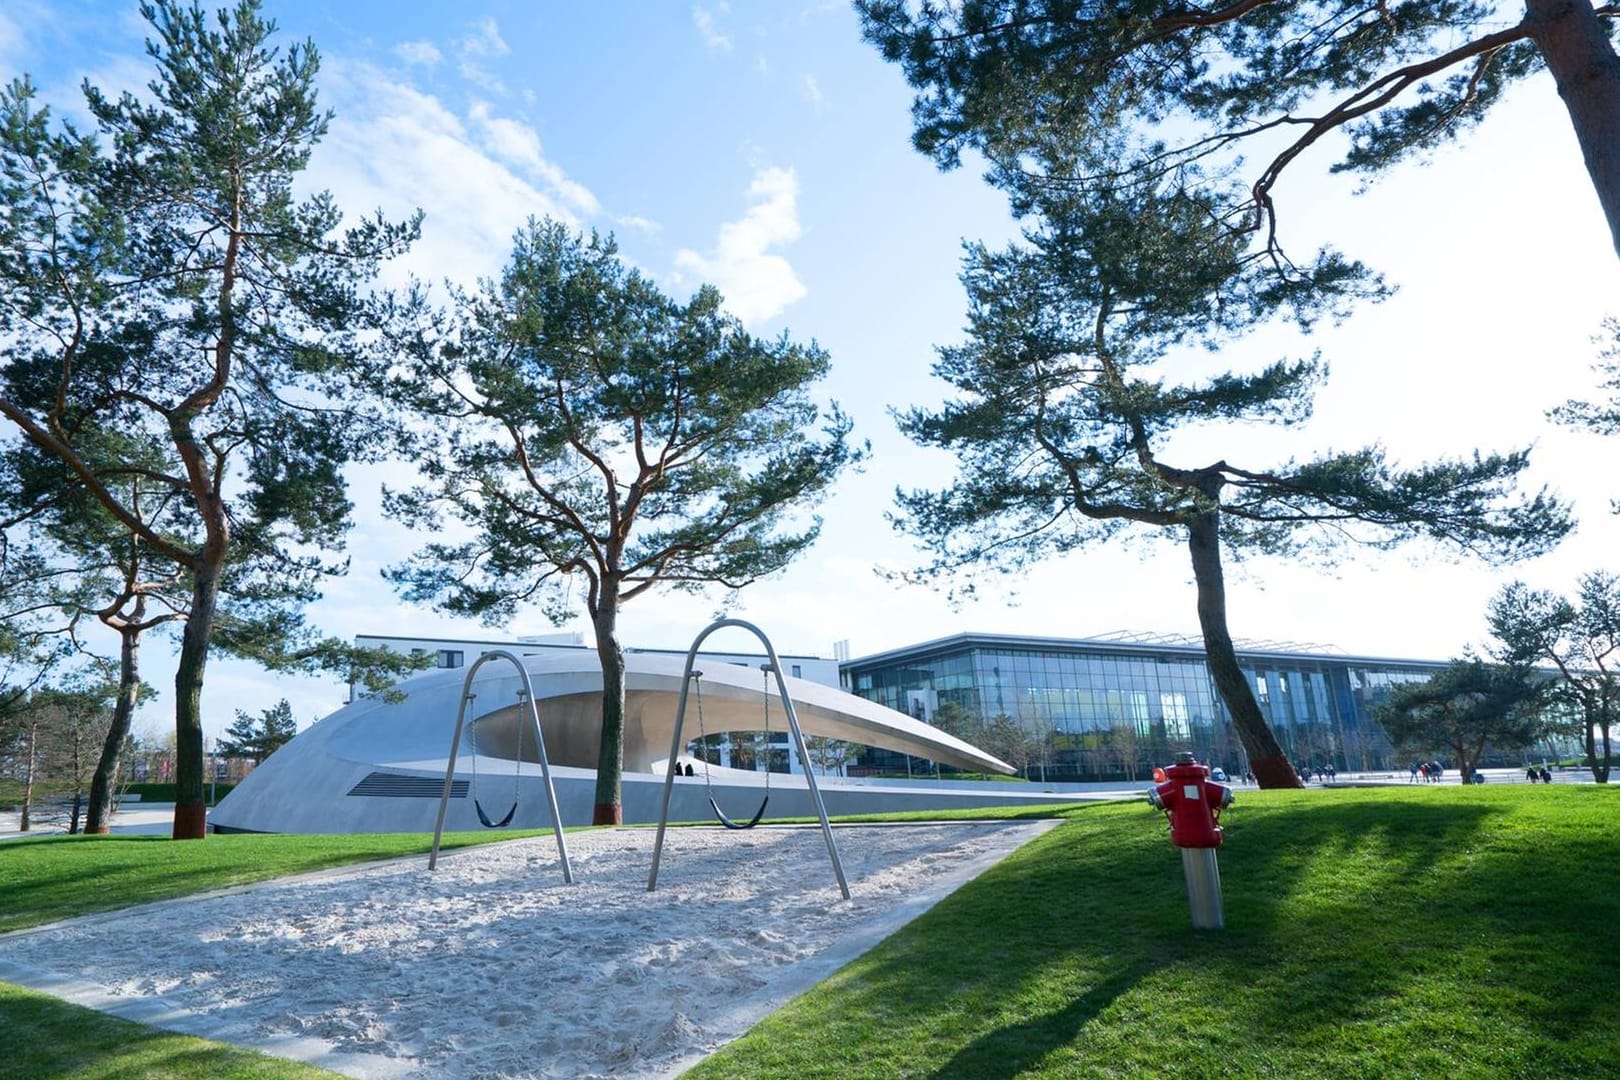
1431	771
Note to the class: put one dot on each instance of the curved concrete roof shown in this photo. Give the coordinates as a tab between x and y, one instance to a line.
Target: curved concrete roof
304	785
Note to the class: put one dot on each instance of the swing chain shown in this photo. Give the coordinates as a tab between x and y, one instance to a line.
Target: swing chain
765	689
522	722
708	782
517	771
703	737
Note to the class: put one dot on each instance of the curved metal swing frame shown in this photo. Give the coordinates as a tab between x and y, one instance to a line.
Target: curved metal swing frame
526	693
793	729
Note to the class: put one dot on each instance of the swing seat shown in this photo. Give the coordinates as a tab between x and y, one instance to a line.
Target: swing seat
727	822
504	822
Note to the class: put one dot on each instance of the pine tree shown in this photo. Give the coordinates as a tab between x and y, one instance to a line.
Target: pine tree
168	285
1062	421
257	737
1041	86
595	429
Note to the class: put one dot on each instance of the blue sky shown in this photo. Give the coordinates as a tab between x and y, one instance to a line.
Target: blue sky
762	147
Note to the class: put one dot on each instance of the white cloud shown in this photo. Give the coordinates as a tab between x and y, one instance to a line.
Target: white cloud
485	40
424	53
639	224
38	40
757	284
519	145
705	21
11	44
811	89
515	142
484	43
394	147
823	8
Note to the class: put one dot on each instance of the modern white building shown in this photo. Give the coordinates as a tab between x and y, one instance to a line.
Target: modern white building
460	652
379	763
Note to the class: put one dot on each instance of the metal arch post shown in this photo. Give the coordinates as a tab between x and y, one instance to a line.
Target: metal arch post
527	692
450	771
674	751
798	743
809	772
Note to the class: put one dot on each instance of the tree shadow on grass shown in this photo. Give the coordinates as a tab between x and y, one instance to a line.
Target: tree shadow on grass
1366	935
1017	1048
56	1039
1343	917
1417	938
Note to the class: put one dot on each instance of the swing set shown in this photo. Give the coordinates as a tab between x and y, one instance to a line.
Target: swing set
525	695
692	678
708	784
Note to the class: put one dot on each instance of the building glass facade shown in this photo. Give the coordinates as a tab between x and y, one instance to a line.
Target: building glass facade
1107	709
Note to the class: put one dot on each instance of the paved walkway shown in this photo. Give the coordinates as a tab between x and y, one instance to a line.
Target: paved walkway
149	819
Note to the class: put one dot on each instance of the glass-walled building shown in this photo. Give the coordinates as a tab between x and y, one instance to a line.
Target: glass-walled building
1108	708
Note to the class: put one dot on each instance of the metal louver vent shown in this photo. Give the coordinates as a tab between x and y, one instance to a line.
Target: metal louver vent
381	785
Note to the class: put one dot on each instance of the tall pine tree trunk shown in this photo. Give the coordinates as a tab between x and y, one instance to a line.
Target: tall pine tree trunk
1270	764
1575	44
1599	763
191	804
609	809
29	760
99	816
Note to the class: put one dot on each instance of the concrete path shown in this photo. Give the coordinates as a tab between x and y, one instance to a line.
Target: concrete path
147	819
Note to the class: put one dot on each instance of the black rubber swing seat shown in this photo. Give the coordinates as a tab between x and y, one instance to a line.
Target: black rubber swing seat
727	822
501	824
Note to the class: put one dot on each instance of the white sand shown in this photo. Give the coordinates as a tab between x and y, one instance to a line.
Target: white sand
492	967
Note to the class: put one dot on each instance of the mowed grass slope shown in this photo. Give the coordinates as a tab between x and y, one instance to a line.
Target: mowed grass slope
44	1039
1423	932
1405	932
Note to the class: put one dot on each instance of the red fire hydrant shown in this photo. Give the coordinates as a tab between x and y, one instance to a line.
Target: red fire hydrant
1193	803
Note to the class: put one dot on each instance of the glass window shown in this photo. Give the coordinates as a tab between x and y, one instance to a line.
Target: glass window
1176	718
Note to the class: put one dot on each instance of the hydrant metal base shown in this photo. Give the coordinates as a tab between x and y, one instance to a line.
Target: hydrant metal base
1203	888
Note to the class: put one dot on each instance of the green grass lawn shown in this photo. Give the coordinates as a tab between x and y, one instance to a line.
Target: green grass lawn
58	877
1401	932
1437	932
45	1039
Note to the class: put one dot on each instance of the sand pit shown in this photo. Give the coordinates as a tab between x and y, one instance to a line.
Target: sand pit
492	967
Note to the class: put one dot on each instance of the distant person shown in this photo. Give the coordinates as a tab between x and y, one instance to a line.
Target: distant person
1531	774
1413	769
1248	776
1546	777
689	771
